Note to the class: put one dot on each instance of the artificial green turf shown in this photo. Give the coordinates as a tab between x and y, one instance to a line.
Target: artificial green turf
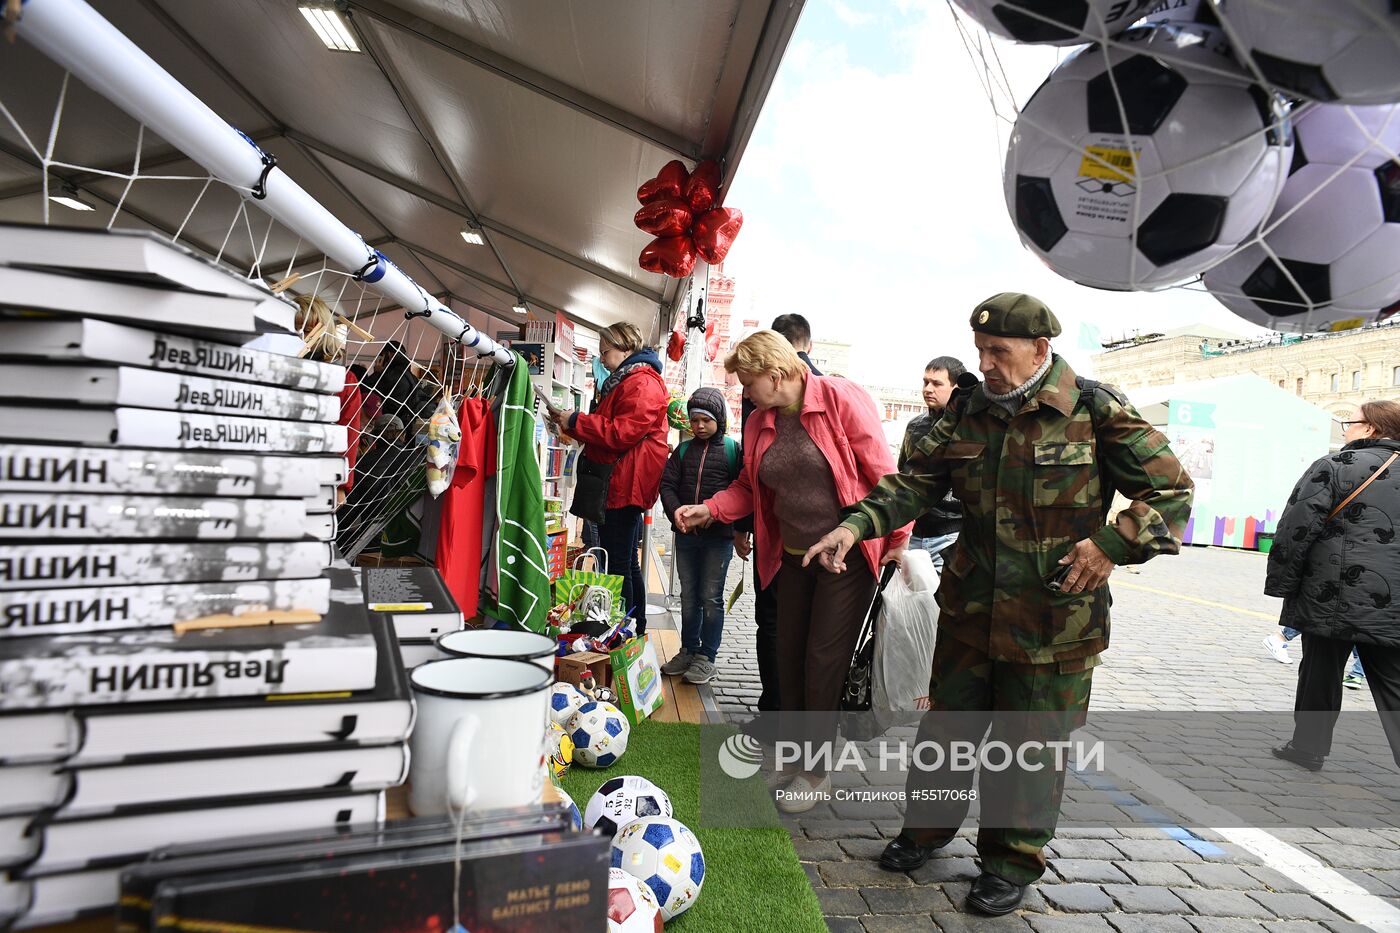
753	881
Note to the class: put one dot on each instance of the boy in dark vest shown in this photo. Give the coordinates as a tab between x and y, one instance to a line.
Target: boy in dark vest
698	469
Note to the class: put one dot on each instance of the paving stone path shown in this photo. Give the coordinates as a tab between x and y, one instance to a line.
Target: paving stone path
1186	633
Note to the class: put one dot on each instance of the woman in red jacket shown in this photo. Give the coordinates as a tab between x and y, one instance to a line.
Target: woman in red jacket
627	429
814	446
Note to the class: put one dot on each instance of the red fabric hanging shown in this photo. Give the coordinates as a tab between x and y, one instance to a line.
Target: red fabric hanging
463	507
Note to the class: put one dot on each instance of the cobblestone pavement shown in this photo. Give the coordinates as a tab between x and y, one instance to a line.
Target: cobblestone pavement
1186	636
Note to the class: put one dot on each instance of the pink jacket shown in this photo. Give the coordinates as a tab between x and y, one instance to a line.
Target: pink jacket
841	419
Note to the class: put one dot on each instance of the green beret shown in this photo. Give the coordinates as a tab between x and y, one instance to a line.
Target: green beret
1012	314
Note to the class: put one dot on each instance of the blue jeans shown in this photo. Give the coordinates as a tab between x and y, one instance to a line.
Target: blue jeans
936	545
701	565
1291	633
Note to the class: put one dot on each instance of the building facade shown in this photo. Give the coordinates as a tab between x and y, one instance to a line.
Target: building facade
1333	371
832	357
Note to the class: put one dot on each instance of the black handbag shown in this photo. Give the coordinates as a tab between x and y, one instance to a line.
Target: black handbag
855	693
591	480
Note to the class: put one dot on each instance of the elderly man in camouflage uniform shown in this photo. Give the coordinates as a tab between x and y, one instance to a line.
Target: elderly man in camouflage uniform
1034	454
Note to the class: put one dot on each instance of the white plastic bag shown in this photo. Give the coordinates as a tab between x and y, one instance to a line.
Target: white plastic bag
904	635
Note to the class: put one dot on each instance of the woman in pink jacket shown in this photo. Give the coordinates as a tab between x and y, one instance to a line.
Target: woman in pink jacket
814	446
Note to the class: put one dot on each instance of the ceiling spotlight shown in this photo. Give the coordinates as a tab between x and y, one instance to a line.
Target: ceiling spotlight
473	235
68	196
520	307
330	25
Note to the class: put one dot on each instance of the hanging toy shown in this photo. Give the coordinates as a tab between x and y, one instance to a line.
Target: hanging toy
677	415
444	438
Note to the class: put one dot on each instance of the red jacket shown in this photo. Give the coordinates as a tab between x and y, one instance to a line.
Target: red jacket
629	429
841	420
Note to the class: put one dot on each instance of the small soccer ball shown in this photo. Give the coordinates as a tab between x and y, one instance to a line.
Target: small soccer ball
1330	256
1143	165
632	908
600	732
567	802
560	750
1055	22
1335	51
623	799
666	855
564	701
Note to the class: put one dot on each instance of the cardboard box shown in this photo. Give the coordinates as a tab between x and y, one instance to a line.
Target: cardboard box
638	680
569	668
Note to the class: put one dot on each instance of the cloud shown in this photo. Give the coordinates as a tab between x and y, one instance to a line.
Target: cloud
873	203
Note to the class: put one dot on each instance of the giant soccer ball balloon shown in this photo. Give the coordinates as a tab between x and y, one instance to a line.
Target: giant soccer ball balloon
621	800
632	908
1344	51
1330	258
1055	22
666	855
1145	203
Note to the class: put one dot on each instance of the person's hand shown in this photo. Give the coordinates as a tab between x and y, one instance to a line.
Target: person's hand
1091	568
894	555
693	516
831	550
743	544
559	416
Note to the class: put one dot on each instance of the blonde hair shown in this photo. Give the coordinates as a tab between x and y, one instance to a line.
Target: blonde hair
765	351
316	321
625	337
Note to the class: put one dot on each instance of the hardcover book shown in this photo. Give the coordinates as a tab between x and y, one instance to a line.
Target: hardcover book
47	844
50	468
123	732
554	881
47	566
102	341
413	598
145	427
93	790
73	292
139	881
64	515
50	671
151	388
156	605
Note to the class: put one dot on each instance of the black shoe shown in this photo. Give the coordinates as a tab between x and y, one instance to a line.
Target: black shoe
1299	757
993	895
904	854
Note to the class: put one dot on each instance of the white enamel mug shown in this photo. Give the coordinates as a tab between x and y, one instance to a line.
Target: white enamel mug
476	744
499	643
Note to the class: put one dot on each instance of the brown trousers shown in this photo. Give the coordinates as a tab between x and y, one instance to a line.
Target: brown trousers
819	618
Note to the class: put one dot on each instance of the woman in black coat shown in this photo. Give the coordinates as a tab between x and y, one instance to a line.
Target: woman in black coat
1339	578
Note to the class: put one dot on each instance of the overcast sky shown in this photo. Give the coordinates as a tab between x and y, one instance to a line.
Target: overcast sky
872	198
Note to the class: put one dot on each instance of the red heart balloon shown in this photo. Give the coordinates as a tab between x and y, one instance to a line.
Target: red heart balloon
670	255
664	217
668	183
675	346
702	188
714	233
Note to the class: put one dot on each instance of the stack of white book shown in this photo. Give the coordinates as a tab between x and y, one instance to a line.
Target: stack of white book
165	457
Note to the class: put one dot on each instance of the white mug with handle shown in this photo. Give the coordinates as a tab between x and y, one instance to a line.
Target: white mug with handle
476	743
511	644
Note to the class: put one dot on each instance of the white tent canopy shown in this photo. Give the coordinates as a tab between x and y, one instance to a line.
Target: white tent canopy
535	120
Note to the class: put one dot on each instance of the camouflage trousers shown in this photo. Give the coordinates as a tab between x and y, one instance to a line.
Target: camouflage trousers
1024	706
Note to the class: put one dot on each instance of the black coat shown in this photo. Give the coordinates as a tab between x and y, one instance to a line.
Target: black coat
945	518
1341	578
705	468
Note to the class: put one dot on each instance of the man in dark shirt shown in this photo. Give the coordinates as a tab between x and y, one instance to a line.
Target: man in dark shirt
765	608
937	529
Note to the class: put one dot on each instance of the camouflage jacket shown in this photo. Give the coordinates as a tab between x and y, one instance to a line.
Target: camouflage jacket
1032	485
